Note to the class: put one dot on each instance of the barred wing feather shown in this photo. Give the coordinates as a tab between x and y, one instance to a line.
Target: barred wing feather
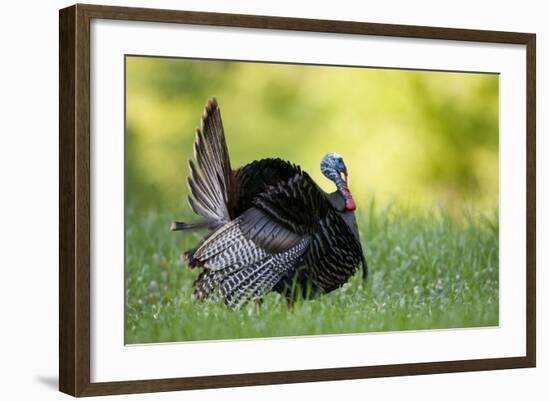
246	257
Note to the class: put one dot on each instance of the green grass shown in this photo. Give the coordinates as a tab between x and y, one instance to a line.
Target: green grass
427	271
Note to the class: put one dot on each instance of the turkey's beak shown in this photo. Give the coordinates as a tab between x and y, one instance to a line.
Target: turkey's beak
345	172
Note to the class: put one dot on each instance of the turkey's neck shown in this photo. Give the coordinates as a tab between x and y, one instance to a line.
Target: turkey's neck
344	190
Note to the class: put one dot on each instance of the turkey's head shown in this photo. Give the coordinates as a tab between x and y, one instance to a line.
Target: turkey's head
333	167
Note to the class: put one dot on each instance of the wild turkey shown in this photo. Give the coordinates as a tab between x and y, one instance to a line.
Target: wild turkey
270	227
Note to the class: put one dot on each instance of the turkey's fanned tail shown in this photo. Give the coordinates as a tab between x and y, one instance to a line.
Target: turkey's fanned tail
210	176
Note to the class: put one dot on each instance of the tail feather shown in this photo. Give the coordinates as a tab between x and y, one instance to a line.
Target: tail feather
181	226
210	178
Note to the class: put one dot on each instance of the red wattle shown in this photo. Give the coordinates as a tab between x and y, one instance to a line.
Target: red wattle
350	203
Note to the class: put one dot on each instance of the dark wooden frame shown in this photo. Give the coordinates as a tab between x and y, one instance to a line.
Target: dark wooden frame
74	199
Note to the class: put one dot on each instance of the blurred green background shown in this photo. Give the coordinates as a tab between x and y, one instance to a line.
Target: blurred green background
418	138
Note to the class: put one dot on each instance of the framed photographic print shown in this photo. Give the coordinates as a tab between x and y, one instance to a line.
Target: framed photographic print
250	200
